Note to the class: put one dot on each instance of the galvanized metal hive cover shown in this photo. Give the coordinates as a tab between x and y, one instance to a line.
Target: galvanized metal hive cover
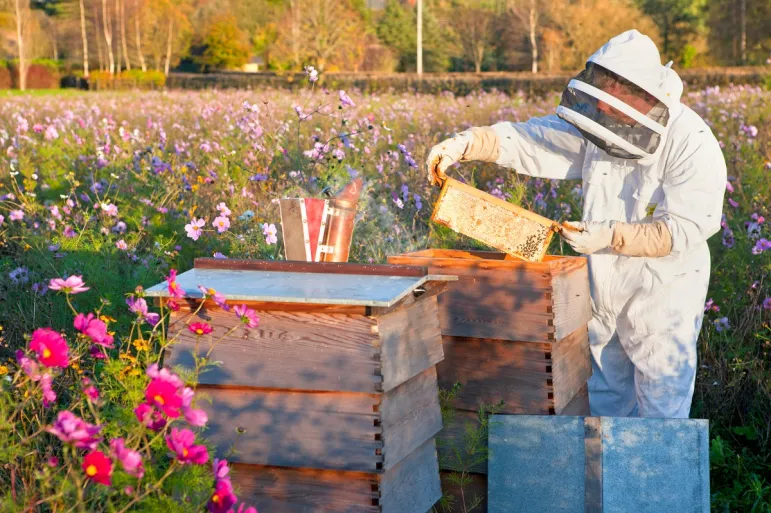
553	464
296	287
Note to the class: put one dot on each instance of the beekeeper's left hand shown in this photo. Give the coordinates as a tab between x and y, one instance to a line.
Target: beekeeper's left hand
589	237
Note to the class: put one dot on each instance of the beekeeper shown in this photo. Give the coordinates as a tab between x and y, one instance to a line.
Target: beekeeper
653	184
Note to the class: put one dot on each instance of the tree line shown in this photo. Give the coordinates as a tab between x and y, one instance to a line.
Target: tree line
374	35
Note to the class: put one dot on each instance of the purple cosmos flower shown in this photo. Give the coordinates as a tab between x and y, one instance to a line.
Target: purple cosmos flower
345	100
219	255
761	246
139	307
767	303
28	366
69	232
722	324
418	202
247	316
71	429
732	202
729	187
16	215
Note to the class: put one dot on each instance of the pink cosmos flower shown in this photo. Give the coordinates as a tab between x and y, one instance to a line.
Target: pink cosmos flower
172	305
220	468
51	348
71	429
90	390
200	328
150	417
194	417
16	215
250	509
72	285
181	442
222	224
164	374
163	395
729	187
223	497
732	202
269	230
94	328
28	365
49	396
53	461
69	232
193	228
110	209
2	220
247	316
223	209
130	460
121	244
174	289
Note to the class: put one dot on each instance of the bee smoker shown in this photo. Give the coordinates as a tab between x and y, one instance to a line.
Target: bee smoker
320	230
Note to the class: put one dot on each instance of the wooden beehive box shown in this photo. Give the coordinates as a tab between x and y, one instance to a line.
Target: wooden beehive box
332	402
499	224
513	331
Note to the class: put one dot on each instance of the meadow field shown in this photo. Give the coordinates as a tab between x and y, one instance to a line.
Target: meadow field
123	189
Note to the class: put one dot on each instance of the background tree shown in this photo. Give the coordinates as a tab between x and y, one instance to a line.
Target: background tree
474	26
224	46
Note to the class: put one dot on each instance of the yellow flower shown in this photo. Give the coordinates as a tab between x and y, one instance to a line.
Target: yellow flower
142	345
75	365
135	372
3	370
106	319
199	178
194	187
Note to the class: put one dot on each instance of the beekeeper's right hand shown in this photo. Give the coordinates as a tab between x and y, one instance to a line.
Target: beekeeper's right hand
479	143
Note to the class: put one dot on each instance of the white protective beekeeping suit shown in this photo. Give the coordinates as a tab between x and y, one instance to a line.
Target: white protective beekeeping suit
653	185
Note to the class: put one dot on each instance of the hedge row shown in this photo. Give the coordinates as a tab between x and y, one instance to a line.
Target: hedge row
40	75
457	83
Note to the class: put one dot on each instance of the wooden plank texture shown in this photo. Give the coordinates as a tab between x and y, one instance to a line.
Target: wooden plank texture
331	431
571	297
410	416
309	267
579	405
571	366
410	341
288	350
287	490
508	299
491	371
413	486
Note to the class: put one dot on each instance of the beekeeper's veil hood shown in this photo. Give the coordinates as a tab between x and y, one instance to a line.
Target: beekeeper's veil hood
624	99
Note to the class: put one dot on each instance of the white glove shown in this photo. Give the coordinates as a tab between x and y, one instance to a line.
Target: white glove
590	237
445	154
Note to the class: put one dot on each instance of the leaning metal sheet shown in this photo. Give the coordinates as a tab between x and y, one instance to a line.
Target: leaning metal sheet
287	287
511	229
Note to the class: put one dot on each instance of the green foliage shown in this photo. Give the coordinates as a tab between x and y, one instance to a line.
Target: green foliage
396	29
687	56
465	455
224	46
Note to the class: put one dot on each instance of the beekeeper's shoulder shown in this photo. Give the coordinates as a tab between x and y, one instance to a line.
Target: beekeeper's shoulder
689	139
